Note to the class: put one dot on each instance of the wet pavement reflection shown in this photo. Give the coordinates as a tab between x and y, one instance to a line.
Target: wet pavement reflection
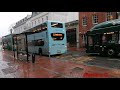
53	67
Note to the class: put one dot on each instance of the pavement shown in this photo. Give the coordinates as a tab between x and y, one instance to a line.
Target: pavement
69	65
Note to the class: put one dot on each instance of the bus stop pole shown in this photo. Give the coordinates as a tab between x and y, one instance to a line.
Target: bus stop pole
26	46
49	54
17	47
13	45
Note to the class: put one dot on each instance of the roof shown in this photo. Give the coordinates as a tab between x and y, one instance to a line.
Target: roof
107	24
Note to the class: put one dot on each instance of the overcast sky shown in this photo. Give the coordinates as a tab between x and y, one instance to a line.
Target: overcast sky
8	18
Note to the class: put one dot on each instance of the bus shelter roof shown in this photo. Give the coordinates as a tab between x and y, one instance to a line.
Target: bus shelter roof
24	33
109	26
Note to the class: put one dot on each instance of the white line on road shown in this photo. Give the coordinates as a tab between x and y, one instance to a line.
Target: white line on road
114	59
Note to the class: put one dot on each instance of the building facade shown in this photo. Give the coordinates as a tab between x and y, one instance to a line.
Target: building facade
37	18
73	33
118	15
88	19
77	23
41	17
20	26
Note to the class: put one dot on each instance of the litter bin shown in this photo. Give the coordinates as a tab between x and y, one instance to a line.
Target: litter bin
33	58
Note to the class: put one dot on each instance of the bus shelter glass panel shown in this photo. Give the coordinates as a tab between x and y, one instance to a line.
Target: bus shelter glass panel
94	42
111	37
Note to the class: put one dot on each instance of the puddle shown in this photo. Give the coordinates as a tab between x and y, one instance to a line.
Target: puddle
8	70
77	69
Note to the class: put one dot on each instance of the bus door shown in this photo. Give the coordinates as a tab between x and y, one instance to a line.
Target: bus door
94	43
97	43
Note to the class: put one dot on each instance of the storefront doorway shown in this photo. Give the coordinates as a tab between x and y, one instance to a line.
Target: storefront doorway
71	37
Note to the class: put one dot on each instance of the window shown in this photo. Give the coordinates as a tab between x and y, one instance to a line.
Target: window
39	42
46	17
44	26
41	27
56	25
29	24
83	37
57	36
35	22
32	24
38	21
46	35
90	40
30	43
110	37
95	19
42	19
109	16
84	21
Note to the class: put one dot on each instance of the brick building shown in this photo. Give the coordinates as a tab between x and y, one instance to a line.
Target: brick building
88	19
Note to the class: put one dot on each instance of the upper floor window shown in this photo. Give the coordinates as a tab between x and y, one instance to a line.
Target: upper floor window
35	22
46	17
95	19
42	19
32	24
29	24
38	21
109	16
84	21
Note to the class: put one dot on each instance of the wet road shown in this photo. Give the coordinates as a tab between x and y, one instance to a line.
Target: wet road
54	67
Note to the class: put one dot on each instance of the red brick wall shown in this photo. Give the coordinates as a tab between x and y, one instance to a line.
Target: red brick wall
84	29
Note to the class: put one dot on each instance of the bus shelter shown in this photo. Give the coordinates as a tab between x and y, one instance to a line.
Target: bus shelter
20	46
104	38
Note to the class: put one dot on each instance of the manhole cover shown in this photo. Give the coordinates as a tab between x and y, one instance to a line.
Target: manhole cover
8	70
104	63
77	69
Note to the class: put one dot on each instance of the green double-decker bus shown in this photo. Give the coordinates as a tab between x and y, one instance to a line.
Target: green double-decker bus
104	38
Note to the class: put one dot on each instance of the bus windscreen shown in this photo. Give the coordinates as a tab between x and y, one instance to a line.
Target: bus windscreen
56	25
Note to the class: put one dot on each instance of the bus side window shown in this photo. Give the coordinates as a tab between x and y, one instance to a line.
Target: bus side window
39	42
103	38
90	40
46	35
44	26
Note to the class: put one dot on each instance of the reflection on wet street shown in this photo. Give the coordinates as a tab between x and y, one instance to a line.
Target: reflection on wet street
53	67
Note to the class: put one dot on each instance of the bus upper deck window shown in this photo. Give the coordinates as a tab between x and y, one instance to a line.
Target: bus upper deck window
56	25
44	26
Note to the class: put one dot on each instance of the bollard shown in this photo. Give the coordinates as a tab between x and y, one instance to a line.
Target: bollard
33	58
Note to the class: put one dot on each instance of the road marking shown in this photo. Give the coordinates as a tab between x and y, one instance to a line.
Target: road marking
114	59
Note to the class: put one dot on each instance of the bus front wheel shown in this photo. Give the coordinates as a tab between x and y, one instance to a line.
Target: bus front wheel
111	52
40	51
